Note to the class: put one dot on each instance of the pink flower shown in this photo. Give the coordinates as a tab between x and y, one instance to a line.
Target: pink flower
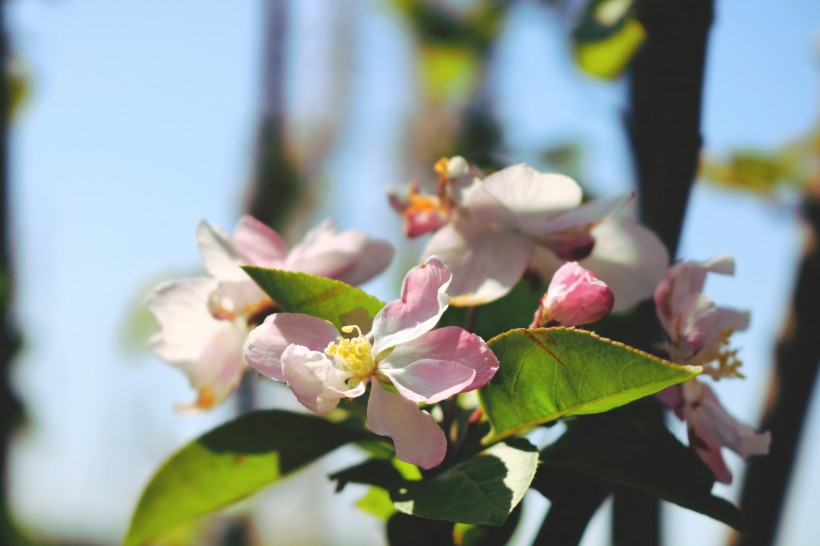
575	297
699	334
698	330
490	230
403	360
711	427
204	320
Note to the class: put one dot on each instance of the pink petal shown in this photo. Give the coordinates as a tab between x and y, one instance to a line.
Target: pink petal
420	213
186	326
708	449
710	418
416	435
672	398
684	279
267	343
448	344
349	256
629	258
423	300
486	263
367	257
218	253
312	377
701	326
428	380
258	244
575	297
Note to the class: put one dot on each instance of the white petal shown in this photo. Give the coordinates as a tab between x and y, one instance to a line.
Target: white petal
485	263
578	218
523	189
240	298
629	258
219	368
416	435
186	326
218	253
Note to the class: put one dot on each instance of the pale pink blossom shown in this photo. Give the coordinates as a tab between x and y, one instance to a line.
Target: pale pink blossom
698	330
699	333
575	297
710	427
204	321
490	230
403	360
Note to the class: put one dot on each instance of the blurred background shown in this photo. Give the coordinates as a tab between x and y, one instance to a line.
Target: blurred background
131	121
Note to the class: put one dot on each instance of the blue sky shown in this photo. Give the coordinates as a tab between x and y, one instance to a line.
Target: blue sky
140	124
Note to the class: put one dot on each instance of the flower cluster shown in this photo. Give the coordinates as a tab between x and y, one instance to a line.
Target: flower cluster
487	233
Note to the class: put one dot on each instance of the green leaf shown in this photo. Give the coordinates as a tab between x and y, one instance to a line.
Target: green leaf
332	300
625	450
230	463
482	490
607	37
465	534
548	373
377	503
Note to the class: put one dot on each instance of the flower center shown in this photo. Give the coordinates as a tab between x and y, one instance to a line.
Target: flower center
354	354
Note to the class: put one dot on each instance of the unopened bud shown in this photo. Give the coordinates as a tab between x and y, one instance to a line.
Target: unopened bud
575	297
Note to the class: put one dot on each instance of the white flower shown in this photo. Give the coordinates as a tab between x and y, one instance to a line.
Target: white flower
204	321
489	231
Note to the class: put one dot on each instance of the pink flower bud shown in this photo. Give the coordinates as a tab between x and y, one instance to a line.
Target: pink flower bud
575	297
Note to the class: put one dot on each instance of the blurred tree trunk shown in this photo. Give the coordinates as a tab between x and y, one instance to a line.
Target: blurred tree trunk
796	362
274	188
663	122
10	411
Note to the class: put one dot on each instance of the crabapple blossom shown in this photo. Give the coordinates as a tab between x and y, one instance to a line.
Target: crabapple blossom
403	360
204	320
699	333
575	297
490	230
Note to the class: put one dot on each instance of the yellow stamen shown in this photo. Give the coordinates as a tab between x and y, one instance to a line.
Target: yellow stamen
440	166
354	354
206	398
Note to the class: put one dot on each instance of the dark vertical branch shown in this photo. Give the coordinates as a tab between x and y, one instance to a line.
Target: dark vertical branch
274	187
665	97
666	81
797	358
9	338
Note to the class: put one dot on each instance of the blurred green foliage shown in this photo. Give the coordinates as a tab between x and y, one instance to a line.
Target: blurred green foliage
792	167
607	37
